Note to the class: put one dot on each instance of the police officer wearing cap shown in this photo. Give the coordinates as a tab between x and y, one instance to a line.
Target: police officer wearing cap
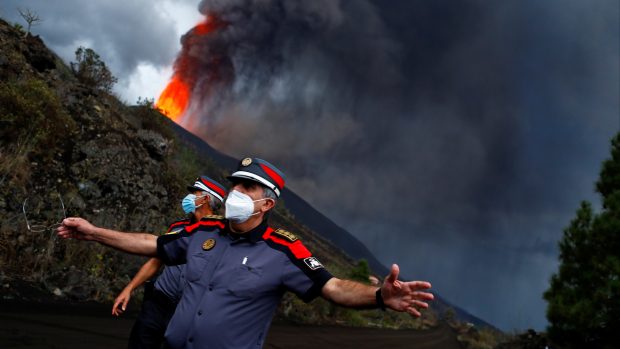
205	197
238	269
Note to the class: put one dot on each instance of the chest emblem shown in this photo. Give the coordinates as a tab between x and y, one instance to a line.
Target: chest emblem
208	244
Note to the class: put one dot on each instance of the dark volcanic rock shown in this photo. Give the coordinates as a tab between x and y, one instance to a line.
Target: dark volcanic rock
155	143
39	57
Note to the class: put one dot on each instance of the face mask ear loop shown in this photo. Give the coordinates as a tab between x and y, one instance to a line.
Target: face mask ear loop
255	213
203	202
200	197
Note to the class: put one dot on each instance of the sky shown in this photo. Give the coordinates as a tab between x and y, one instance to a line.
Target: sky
454	138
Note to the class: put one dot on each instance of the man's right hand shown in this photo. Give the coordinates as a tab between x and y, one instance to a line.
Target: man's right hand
76	228
120	303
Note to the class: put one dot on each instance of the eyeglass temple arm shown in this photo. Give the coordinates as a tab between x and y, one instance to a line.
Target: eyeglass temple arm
25	215
62	204
64	212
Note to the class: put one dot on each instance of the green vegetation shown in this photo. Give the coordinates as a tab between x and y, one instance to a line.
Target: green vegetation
92	71
484	338
584	307
19	28
360	272
33	121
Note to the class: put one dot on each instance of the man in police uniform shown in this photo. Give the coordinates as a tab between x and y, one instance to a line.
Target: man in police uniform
238	269
205	197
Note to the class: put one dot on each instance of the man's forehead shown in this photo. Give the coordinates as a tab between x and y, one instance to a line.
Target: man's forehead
246	183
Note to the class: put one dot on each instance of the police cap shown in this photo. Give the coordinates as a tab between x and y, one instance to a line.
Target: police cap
260	171
204	183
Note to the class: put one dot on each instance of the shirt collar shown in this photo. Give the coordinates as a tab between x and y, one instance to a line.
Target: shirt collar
253	235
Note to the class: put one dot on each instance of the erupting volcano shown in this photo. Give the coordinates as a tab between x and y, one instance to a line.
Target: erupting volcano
175	99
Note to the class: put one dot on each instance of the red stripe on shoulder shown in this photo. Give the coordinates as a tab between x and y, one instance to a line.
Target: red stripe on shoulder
267	233
210	223
297	248
177	223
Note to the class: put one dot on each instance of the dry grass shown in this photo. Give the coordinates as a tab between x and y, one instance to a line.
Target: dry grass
14	163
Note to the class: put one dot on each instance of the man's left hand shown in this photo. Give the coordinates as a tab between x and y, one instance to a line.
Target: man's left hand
405	296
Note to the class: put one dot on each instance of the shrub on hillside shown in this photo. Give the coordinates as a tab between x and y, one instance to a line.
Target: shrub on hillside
92	71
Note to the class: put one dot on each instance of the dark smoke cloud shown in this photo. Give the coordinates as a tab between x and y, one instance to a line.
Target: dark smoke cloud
455	138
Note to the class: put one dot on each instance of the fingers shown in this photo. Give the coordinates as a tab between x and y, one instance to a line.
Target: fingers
118	308
419	285
115	309
120	303
414	307
413	311
418	296
419	304
426	296
71	221
64	232
393	274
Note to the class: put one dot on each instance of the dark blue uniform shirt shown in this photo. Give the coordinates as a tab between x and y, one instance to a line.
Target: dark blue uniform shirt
235	282
171	280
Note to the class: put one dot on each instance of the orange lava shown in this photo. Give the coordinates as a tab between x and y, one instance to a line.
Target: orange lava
173	101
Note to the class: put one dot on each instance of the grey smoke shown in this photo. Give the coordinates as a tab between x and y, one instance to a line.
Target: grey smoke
454	138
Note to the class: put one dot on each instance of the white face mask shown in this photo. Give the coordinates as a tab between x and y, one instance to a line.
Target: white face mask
239	207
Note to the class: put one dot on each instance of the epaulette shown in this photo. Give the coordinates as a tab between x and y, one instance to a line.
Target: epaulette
286	242
286	235
177	226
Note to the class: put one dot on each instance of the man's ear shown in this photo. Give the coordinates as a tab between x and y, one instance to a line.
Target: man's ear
205	200
269	204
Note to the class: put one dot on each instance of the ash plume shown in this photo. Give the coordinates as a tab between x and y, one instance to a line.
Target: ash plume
454	138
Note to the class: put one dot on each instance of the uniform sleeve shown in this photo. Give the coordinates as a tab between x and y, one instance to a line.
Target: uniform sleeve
302	273
172	248
305	277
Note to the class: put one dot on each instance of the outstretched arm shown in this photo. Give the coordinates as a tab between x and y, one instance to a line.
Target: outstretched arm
148	270
349	293
397	295
81	229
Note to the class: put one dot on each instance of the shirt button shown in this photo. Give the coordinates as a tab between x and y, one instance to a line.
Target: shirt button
199	312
